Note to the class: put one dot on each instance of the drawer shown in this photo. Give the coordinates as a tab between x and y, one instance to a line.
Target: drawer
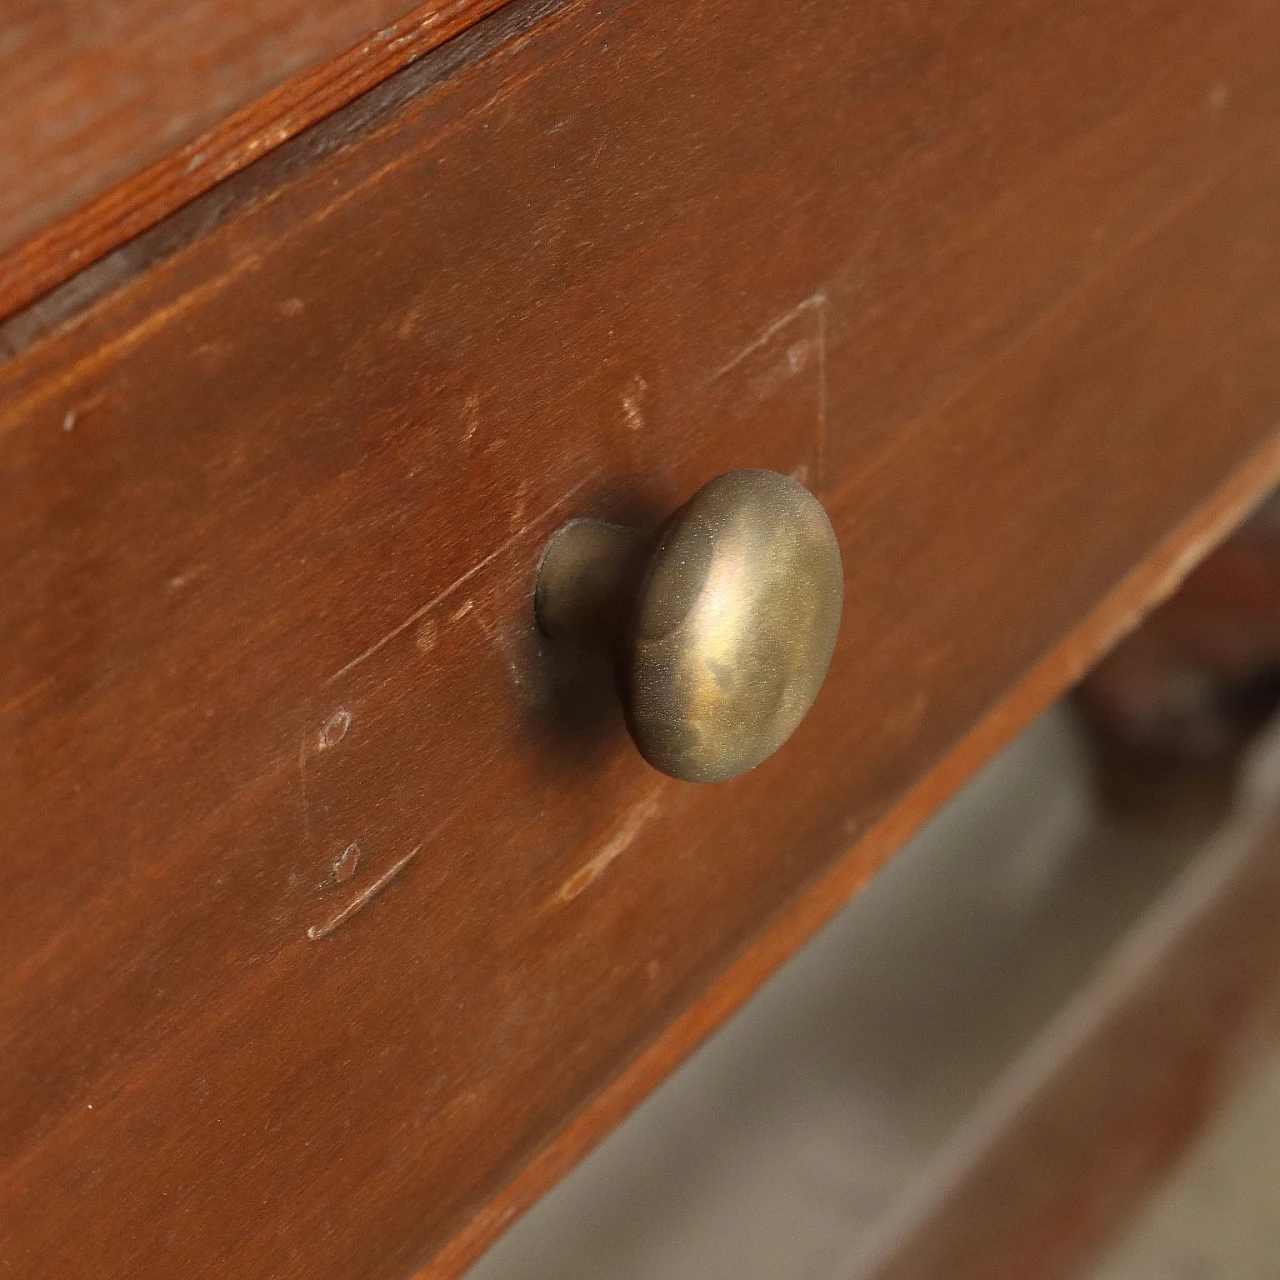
338	892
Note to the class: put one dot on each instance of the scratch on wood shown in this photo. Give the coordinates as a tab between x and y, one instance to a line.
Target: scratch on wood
302	782
486	629
470	417
632	403
517	519
797	359
27	695
618	844
814	301
363	898
501	647
420	612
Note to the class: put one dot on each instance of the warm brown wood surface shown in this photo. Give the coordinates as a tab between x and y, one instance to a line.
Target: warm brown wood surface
1150	582
115	113
1000	279
1171	1025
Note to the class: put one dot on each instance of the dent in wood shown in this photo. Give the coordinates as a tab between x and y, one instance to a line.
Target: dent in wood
344	865
364	897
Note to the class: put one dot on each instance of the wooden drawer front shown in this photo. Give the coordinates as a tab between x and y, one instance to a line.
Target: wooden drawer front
1001	280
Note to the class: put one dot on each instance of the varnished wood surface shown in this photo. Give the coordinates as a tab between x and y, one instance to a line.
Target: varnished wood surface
117	112
1006	292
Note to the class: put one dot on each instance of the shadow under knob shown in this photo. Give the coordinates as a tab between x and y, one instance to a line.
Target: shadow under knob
722	623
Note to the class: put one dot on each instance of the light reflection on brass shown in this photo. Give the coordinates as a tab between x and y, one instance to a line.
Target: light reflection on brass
723	622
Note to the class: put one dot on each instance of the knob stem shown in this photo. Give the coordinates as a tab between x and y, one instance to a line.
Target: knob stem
587	582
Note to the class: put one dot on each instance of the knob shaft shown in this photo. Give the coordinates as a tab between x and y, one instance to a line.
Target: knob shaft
722	623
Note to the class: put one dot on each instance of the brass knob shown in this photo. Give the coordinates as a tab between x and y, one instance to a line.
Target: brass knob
722	623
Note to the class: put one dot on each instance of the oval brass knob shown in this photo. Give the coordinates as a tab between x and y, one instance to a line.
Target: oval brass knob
722	623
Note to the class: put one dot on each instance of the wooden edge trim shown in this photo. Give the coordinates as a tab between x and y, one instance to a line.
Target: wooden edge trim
65	247
1119	612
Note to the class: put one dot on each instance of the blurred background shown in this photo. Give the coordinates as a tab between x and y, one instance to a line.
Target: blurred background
1043	1042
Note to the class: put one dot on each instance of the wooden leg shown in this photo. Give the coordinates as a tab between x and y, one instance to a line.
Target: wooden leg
1172	710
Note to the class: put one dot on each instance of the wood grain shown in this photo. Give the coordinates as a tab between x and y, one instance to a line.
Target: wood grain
293	791
116	114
